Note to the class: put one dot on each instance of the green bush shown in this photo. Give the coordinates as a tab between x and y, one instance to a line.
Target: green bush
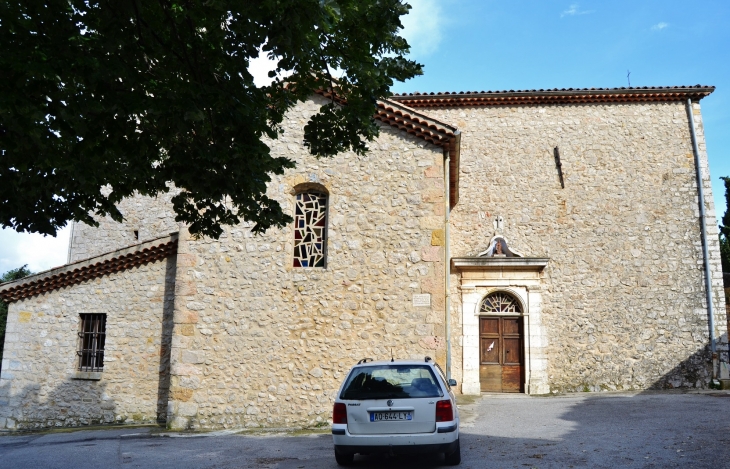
725	229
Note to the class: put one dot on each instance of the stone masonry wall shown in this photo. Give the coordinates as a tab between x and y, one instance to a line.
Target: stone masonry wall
37	388
260	343
623	294
150	217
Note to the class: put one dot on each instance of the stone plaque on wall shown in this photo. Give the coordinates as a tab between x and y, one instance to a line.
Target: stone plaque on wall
422	299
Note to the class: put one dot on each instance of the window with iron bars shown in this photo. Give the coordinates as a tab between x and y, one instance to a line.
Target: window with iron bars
91	342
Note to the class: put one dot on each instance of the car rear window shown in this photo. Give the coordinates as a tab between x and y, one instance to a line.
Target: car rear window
391	381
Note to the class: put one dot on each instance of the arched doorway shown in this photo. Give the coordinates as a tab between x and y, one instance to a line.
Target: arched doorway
501	344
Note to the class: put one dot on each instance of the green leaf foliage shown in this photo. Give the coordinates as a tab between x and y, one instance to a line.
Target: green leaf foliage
9	276
101	99
725	229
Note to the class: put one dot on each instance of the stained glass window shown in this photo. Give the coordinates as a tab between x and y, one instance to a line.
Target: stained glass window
310	229
500	302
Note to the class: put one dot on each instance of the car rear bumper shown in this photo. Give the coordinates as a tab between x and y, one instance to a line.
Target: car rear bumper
443	441
398	449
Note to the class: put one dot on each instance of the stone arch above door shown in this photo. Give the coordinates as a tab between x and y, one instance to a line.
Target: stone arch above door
475	296
500	302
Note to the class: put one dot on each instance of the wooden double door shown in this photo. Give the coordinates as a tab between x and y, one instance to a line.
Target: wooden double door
501	360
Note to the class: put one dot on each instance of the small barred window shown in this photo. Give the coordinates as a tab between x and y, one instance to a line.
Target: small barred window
91	342
310	229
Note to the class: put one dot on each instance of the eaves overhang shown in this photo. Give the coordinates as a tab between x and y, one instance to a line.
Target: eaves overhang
88	269
554	96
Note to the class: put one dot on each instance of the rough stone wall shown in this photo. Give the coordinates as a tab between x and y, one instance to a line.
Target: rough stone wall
150	217
623	300
40	359
260	343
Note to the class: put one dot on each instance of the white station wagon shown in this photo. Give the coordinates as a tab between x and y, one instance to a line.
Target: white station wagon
396	407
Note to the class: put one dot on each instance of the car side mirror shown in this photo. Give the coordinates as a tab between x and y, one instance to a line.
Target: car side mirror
452	382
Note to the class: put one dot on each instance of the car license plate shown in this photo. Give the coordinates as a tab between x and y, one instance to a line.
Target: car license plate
390	416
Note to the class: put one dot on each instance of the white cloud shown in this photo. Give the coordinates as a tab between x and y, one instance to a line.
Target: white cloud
38	251
574	10
422	26
659	26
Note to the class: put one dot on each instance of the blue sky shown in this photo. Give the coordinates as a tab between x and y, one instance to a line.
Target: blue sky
495	45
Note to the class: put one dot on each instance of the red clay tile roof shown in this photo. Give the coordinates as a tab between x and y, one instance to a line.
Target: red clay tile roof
554	96
81	271
409	120
414	123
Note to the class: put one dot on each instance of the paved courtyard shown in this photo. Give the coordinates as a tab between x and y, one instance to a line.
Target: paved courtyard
644	430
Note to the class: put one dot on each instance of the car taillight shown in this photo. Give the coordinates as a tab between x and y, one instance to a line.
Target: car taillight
444	411
339	413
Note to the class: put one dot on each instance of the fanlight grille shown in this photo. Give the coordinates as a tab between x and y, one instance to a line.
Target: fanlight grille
500	302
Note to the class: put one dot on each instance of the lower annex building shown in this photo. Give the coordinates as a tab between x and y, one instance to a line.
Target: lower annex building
529	241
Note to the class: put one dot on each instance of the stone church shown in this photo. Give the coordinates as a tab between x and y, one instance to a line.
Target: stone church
538	241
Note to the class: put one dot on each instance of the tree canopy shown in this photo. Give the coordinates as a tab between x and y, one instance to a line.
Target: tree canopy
15	274
103	99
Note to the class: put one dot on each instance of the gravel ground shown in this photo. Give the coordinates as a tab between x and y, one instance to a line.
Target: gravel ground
609	430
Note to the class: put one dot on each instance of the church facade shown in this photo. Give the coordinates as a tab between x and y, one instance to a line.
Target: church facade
529	241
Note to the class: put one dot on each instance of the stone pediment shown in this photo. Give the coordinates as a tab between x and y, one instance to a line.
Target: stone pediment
499	256
499	247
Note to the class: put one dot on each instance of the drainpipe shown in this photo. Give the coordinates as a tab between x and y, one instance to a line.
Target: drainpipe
529	346
70	242
447	262
703	228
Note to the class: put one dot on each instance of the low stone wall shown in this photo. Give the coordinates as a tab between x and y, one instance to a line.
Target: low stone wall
38	387
726	283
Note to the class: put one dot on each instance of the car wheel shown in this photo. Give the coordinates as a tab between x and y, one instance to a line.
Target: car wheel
454	458
344	459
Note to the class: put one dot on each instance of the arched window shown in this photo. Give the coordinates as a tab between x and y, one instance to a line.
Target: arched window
310	229
500	302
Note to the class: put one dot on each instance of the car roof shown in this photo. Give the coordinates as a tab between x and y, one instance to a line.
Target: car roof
398	362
